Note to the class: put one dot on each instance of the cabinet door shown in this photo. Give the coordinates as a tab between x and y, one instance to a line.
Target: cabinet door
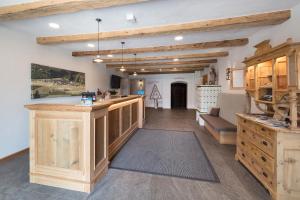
291	170
288	165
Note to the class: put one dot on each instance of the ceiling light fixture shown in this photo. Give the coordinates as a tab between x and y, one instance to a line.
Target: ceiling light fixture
54	25
91	45
142	69
110	55
175	59
134	74
123	68
178	38
98	59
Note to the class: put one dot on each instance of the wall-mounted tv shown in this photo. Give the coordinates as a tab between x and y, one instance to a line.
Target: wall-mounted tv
115	82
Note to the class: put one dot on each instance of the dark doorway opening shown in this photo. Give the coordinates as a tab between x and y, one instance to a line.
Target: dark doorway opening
178	95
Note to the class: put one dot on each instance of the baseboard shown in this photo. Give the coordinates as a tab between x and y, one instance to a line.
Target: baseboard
14	155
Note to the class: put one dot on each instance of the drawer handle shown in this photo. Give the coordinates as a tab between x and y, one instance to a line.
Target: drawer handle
263	158
265	174
243	143
265	143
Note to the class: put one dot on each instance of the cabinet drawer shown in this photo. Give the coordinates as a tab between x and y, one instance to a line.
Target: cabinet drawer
263	143
266	145
265	132
266	177
260	157
247	123
243	156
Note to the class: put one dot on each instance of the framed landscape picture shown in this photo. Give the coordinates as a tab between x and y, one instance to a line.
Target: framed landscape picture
49	82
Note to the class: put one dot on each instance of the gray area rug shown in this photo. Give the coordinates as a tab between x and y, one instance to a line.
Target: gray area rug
169	153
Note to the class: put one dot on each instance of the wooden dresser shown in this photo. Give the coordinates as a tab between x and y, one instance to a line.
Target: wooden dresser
271	154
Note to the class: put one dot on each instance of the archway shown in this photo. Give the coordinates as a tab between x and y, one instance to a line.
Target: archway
179	95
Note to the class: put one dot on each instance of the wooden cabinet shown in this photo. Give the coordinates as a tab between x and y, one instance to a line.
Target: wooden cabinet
271	154
272	78
70	145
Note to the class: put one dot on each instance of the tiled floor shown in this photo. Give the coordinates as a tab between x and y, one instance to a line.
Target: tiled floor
236	181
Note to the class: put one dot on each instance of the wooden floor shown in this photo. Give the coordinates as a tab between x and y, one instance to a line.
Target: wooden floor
236	182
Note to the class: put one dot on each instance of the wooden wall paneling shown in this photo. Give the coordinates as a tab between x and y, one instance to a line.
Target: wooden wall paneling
114	125
100	165
125	118
134	111
88	147
32	143
59	142
99	140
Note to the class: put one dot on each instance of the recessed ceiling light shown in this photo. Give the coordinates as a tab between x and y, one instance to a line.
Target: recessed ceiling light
54	25
178	38
175	59
91	45
160	69
175	68
110	55
142	69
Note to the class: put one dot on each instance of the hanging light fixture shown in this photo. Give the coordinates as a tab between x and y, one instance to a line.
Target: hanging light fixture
135	74
98	59
122	67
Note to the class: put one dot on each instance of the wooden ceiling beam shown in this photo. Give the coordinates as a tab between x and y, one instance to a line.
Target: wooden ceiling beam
167	71
153	64
54	7
154	58
158	68
264	19
194	46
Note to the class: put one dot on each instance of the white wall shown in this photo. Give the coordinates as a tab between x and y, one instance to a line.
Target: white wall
17	52
163	83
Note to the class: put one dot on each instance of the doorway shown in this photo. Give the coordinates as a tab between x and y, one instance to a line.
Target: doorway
178	95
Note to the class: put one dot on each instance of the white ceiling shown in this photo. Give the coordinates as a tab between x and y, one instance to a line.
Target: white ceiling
152	13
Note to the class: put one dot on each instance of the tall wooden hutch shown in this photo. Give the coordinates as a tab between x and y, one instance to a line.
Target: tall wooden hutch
273	79
269	146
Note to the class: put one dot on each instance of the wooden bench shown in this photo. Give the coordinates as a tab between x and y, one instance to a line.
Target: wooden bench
222	130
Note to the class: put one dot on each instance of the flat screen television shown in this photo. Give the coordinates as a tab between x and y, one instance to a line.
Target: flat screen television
115	82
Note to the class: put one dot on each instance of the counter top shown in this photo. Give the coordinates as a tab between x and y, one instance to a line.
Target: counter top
80	108
266	123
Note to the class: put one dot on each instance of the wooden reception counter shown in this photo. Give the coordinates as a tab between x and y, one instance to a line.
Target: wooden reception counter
71	145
